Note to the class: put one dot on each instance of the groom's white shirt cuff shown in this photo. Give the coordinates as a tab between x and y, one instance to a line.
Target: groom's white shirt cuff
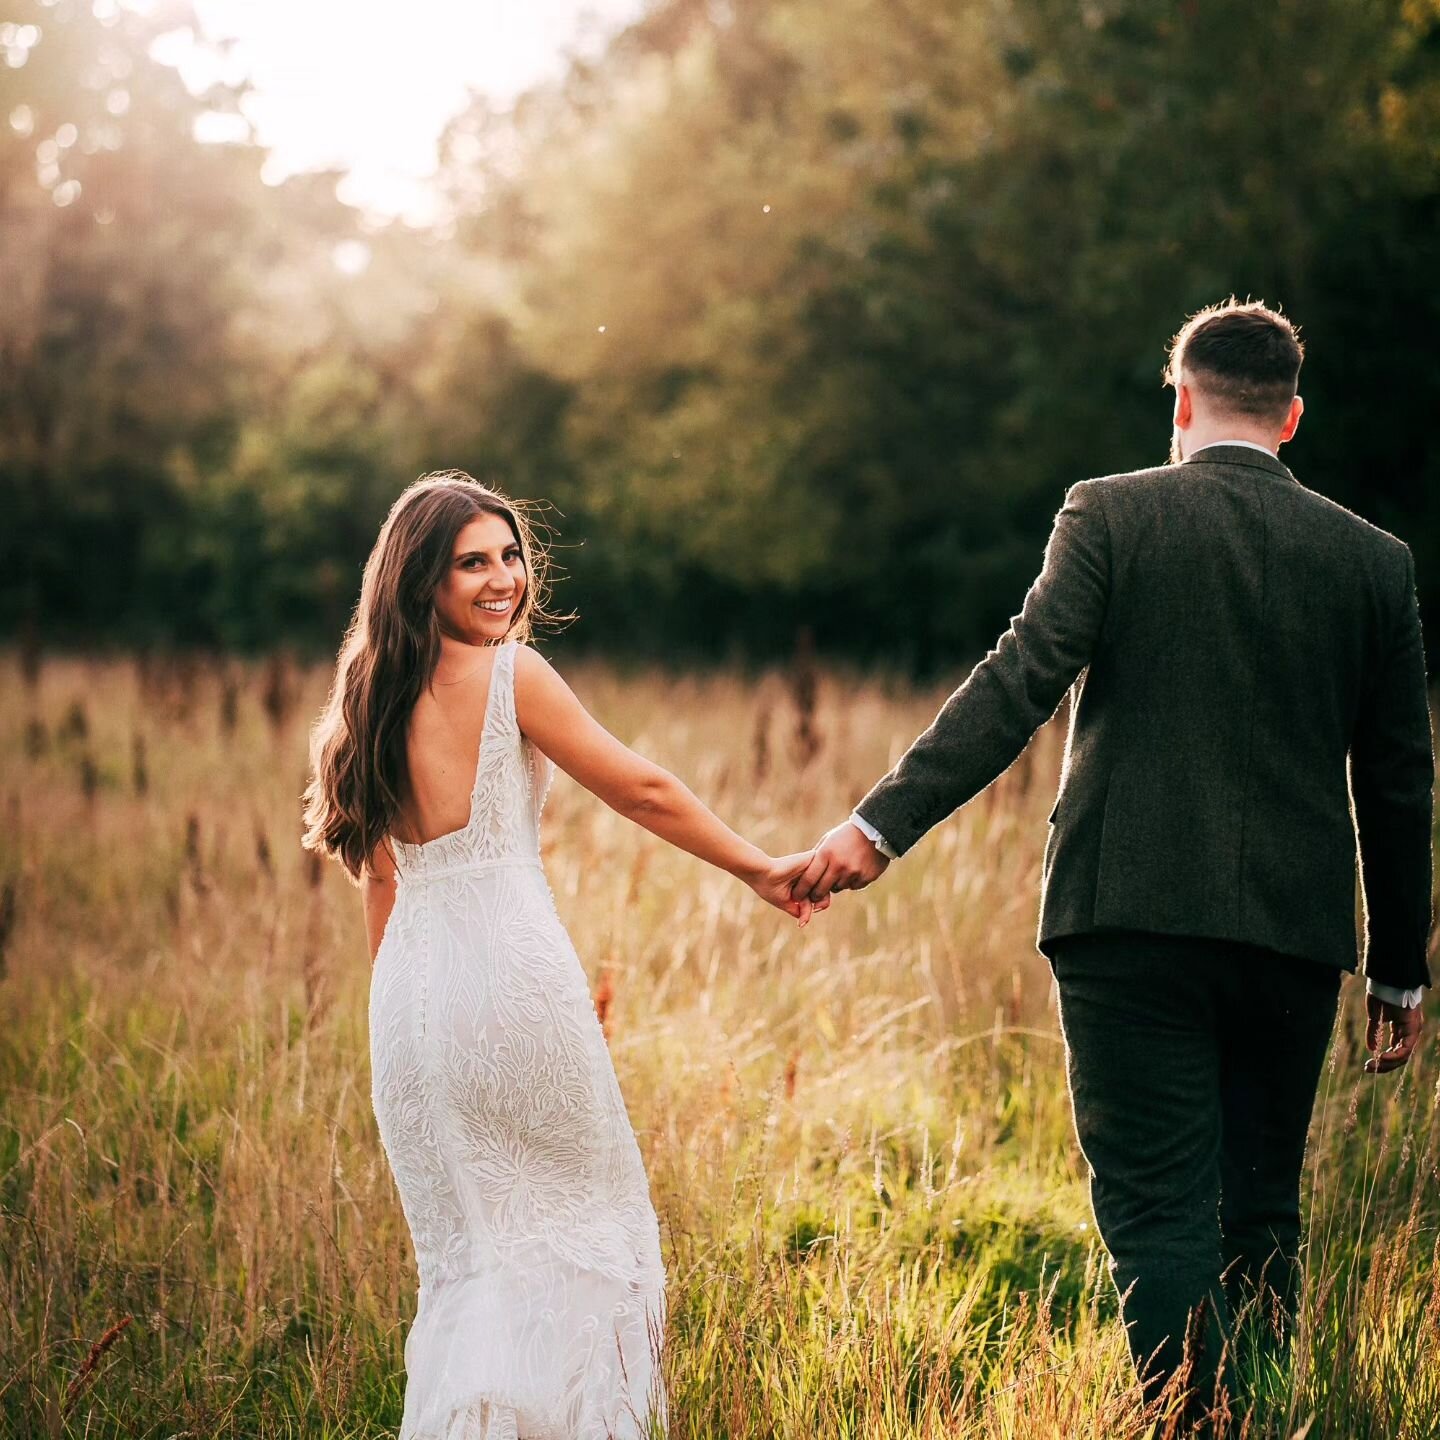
873	836
1388	993
1391	996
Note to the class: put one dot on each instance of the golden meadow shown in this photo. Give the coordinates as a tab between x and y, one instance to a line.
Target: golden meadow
873	1209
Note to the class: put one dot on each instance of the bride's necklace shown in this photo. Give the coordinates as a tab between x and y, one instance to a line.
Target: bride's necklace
446	683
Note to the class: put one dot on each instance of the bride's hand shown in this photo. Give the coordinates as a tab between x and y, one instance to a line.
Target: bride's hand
774	882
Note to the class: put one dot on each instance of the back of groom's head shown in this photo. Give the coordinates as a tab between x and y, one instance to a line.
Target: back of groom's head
1243	358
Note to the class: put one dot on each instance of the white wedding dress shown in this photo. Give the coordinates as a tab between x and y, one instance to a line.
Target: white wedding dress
541	1285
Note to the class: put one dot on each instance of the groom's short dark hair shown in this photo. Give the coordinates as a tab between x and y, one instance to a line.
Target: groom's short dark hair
1244	356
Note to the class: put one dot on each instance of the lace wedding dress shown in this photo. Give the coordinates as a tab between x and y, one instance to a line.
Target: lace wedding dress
541	1285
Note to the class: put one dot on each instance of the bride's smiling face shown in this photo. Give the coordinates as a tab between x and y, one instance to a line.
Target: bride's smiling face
483	589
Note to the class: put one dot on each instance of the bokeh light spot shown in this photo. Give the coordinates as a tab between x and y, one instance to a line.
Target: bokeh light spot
351	257
215	127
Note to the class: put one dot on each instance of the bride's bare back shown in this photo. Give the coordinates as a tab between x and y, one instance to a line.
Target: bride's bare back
441	745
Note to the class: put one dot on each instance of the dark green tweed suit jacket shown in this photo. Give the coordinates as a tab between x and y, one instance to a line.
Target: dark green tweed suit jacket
1249	697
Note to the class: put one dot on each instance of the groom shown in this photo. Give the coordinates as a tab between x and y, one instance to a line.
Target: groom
1248	698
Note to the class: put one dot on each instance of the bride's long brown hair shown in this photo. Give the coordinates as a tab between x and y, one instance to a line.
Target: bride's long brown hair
392	644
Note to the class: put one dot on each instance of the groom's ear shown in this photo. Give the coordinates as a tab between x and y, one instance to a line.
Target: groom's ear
1184	407
1292	420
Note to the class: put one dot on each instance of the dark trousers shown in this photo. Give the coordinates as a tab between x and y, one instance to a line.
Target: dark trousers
1193	1066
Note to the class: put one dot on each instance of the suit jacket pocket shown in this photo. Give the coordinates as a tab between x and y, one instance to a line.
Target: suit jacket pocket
1073	788
1072	851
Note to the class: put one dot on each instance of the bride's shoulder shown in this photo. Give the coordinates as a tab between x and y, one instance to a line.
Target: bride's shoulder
538	686
530	663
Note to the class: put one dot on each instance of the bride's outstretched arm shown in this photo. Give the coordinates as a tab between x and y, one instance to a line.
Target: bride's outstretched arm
560	726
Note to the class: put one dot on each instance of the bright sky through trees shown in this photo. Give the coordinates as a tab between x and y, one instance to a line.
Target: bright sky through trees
367	85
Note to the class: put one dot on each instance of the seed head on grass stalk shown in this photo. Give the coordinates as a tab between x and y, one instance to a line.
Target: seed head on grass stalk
9	914
805	693
312	957
37	738
97	1351
89	778
139	767
760	766
277	694
194	864
76	723
185	670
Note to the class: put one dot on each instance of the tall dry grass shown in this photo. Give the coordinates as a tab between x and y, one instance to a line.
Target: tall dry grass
874	1214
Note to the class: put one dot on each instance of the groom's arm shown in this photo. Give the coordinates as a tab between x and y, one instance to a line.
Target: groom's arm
1392	777
1014	690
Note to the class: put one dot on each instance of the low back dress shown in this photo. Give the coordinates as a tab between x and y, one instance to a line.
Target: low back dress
541	1297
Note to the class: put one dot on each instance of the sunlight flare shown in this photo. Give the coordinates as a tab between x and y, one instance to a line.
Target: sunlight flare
356	85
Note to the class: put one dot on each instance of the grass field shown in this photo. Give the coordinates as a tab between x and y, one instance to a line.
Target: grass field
874	1214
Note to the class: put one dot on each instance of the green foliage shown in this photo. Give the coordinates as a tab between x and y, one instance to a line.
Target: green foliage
984	227
802	312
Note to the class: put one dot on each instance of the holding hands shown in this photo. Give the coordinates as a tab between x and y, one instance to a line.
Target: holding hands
843	860
776	882
802	884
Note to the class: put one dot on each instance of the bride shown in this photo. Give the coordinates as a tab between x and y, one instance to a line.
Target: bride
541	1287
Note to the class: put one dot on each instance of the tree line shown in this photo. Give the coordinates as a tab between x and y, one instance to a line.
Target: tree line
802	314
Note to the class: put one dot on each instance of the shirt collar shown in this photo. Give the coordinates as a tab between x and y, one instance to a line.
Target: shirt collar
1247	444
1241	452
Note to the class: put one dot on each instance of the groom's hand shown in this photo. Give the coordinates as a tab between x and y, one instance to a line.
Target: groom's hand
1400	1024
844	860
